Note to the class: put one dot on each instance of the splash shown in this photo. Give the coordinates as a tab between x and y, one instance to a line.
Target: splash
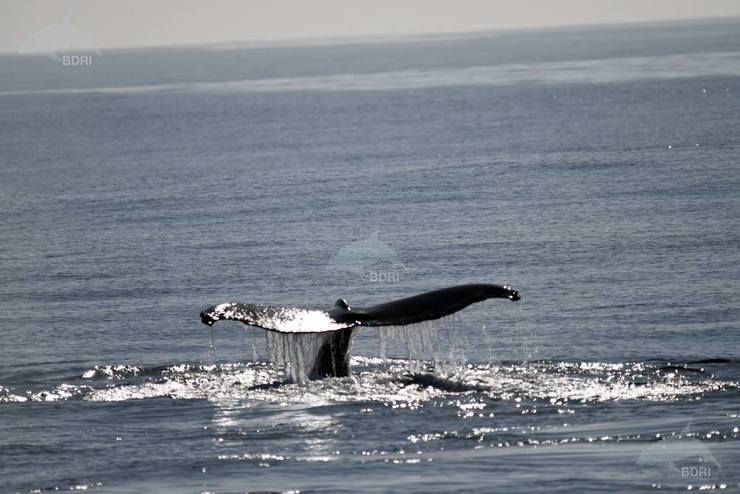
387	381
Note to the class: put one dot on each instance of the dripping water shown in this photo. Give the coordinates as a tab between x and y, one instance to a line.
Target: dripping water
486	338
211	346
421	341
530	345
297	352
254	348
249	341
456	355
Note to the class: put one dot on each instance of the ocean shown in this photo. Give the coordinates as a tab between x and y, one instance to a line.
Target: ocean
594	169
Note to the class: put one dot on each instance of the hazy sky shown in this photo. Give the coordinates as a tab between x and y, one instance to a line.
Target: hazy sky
126	23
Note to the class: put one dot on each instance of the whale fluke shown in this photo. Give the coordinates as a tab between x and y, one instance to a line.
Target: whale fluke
425	307
339	323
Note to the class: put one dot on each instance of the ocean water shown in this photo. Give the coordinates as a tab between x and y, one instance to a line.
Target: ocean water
593	169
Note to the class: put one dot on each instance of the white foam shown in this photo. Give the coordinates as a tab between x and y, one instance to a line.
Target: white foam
387	381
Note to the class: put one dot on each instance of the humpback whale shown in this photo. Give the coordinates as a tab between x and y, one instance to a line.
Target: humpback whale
336	326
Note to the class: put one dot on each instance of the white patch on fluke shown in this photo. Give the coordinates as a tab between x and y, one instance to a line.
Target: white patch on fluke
283	320
307	321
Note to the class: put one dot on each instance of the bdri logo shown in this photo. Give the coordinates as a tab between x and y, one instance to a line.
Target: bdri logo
682	457
64	36
370	258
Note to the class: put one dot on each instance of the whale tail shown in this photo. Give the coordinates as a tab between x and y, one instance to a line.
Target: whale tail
338	324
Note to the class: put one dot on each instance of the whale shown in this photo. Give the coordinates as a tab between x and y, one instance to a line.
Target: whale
336	327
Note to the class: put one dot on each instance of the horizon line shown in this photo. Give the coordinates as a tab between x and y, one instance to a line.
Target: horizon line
371	38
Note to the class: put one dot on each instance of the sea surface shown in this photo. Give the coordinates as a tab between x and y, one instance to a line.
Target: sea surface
596	170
